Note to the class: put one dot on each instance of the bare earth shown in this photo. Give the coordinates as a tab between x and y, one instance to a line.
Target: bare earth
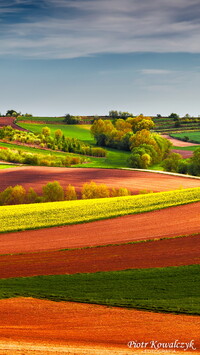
9	121
162	253
169	222
37	177
44	322
177	142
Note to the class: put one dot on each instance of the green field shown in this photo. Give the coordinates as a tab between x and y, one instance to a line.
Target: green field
171	289
81	132
194	136
6	166
42	215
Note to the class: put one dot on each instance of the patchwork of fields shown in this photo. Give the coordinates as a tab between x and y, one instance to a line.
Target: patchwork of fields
147	261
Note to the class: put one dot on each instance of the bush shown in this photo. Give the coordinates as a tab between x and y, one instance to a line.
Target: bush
13	195
70	193
53	191
92	190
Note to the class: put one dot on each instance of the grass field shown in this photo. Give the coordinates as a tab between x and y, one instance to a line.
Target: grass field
114	159
33	216
6	166
81	132
172	289
194	136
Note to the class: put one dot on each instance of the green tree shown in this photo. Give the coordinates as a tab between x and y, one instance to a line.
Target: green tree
46	131
171	162
53	191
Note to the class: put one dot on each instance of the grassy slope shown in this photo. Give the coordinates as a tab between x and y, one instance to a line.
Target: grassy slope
6	166
172	289
73	131
115	158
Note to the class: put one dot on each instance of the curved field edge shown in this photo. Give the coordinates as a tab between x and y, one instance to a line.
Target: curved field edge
33	216
171	289
166	252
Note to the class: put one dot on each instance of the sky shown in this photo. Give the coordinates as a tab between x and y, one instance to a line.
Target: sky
87	57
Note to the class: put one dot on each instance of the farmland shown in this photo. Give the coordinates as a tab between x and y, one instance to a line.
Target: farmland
72	212
139	252
192	136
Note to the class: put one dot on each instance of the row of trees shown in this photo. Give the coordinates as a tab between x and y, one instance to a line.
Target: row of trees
46	140
53	191
132	134
22	157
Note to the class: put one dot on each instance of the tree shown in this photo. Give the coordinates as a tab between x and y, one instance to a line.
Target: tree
173	115
53	191
69	119
58	134
13	195
171	162
70	193
32	196
92	190
46	131
11	113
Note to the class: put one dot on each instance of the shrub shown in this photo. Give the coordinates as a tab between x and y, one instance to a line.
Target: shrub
32	196
92	190
70	193
13	195
53	191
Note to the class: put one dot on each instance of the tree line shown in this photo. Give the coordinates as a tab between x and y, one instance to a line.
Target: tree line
53	191
45	140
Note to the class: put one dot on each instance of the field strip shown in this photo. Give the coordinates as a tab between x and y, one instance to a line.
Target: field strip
50	349
169	222
135	180
51	214
68	324
37	349
161	253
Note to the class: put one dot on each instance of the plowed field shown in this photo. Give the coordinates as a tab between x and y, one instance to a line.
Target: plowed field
82	325
9	121
162	253
169	222
36	177
178	142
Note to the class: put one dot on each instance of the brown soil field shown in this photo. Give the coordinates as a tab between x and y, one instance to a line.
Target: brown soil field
82	325
184	153
161	253
37	177
9	121
169	222
177	142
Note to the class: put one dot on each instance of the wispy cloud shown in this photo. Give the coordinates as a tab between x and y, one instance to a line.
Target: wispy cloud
76	28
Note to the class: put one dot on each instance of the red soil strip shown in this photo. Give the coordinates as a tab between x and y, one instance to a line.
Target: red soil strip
185	153
169	222
162	253
37	177
9	121
69	323
177	142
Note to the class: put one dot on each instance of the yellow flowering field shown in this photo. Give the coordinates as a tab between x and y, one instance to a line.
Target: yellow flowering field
22	217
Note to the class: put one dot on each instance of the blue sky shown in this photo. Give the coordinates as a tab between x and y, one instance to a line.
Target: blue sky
92	56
